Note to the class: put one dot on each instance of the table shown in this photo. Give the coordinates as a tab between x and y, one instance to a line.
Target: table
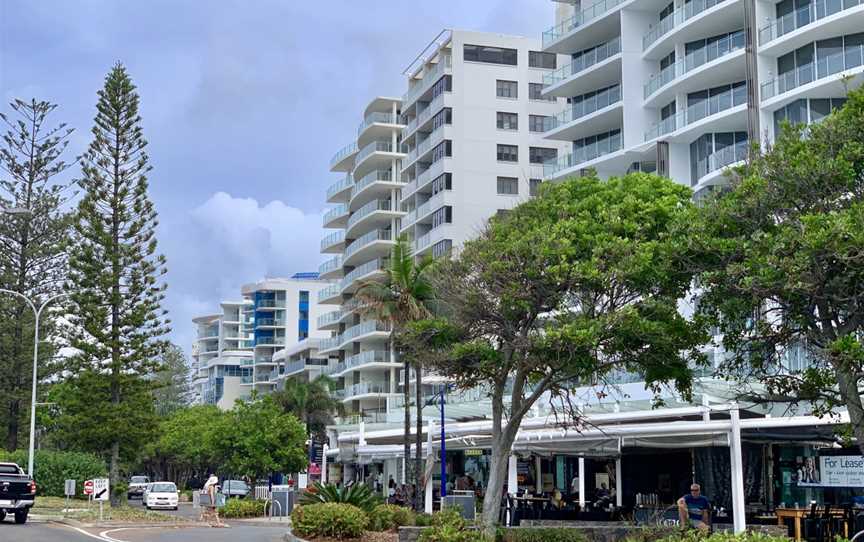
798	513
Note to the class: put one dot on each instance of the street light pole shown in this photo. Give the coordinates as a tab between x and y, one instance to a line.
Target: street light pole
443	450
37	313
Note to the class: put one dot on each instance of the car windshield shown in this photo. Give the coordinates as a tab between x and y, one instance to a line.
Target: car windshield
139	480
236	484
163	488
9	469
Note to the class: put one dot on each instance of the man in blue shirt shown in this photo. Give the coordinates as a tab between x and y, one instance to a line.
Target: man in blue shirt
694	509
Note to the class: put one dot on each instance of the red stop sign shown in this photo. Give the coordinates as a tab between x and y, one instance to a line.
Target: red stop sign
88	487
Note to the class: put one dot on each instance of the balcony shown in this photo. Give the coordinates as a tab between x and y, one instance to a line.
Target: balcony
365	388
343	159
341	190
423	179
823	72
270	341
558	39
329	319
699	111
269	322
432	75
330	343
804	16
330	295
336	217
719	160
370	357
377	118
680	16
433	107
588	116
377	213
377	241
362	271
375	155
332	268
589	70
581	156
381	177
333	243
369	327
270	304
719	51
435	137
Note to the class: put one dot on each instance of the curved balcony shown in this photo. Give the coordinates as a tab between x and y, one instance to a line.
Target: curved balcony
598	113
340	190
377	183
709	109
333	243
367	246
711	167
722	63
695	19
343	160
328	345
330	320
376	213
331	269
361	272
811	17
562	38
365	330
375	155
582	156
330	295
378	118
336	217
369	359
600	66
815	79
365	389
422	86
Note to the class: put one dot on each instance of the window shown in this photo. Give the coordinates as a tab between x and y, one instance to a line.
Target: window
442	182
667	110
667	61
506	89
508	153
491	55
536	123
444	215
443	150
535	93
507	121
445	84
537	59
534	186
541	155
501	213
508	186
442	248
445	116
714	151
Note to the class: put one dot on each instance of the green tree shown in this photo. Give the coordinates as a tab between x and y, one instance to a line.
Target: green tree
172	387
311	402
115	284
257	438
568	289
32	256
781	256
403	296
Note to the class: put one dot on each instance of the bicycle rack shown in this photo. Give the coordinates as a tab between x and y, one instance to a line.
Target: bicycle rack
271	502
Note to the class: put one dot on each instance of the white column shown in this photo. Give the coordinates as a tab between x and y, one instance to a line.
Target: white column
404	471
619	483
430	430
361	428
706	416
739	521
512	475
324	464
582	483
538	473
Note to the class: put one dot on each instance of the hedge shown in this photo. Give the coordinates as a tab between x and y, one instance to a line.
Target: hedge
334	520
53	468
385	517
243	508
543	534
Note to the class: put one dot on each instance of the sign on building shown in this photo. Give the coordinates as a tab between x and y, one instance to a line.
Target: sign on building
831	471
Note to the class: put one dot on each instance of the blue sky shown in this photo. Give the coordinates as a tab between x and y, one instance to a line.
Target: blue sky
243	104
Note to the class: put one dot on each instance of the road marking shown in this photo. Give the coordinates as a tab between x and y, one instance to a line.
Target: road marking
85	533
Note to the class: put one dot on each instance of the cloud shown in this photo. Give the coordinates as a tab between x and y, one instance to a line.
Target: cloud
226	242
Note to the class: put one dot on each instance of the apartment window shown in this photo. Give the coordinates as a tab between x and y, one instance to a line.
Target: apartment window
805	111
667	61
445	116
535	91
442	248
507	121
508	186
442	182
444	215
541	155
506	89
445	84
714	151
501	213
705	50
444	149
667	110
667	11
537	59
536	123
710	101
534	186
490	55
508	153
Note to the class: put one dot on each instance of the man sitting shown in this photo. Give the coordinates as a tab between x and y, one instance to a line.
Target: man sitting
694	509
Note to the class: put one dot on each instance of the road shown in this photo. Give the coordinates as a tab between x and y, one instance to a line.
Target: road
53	532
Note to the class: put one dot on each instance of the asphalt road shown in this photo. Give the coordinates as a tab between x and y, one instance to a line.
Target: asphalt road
52	532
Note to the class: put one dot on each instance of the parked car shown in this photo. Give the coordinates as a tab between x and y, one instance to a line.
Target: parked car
17	492
144	493
162	495
136	486
235	488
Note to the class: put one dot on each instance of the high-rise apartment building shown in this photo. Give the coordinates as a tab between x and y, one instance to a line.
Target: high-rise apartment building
683	87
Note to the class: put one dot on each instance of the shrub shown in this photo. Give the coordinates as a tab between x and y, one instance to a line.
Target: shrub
543	534
448	525
423	520
357	495
52	469
335	520
448	516
385	517
692	535
246	508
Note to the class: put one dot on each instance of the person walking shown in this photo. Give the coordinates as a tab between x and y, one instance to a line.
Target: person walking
694	509
211	490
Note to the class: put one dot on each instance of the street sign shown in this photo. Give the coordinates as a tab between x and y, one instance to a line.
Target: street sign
69	488
88	487
100	489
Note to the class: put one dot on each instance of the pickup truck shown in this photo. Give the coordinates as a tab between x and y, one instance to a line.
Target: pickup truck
17	492
137	484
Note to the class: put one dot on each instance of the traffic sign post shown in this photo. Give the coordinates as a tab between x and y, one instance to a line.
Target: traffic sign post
88	487
101	492
69	491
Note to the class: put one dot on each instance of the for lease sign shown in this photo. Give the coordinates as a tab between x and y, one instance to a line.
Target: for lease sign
842	471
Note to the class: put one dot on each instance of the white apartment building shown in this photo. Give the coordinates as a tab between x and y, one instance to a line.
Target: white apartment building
682	87
243	348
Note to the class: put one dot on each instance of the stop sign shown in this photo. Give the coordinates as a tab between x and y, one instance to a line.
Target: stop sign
88	487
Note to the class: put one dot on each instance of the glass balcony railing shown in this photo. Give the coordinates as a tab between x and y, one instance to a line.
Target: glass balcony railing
568	25
434	73
332	264
366	239
716	50
424	178
804	16
364	388
295	366
367	357
334	369
360	271
583	108
270	341
721	159
379	175
335	213
343	153
422	242
583	62
696	112
369	208
329	318
851	57
581	155
378	117
328	292
435	137
375	146
333	239
339	186
676	18
246	379
272	322
369	326
433	107
270	303
328	343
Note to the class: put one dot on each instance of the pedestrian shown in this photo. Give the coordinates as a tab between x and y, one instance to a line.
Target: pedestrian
211	490
694	509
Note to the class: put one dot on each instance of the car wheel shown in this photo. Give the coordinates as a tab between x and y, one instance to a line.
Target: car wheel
2	515
21	517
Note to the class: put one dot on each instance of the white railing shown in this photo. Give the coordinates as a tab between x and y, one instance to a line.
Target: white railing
435	137
433	107
804	16
366	239
333	239
851	57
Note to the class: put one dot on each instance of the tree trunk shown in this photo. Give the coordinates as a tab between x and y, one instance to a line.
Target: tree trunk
418	439
495	486
406	397
848	386
114	473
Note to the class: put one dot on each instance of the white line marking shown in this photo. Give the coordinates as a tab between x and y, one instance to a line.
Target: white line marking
85	533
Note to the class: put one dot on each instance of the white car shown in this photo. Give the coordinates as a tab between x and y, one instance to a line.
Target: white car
161	495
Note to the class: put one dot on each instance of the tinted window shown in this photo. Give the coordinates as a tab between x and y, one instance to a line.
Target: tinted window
9	469
140	479
492	55
506	89
508	153
536	59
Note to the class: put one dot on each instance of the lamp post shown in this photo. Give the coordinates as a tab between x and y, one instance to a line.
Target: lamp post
442	399
37	312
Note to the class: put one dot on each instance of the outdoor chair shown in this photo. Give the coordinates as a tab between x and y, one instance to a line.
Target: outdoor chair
817	526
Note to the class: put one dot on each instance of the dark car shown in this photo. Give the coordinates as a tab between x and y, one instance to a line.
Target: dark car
17	492
235	488
136	486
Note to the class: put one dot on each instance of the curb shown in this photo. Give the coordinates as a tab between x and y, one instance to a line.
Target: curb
291	537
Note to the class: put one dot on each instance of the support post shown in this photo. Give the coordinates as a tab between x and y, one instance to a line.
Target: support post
581	483
512	475
443	452
361	428
538	474
706	416
619	483
324	464
427	501
739	521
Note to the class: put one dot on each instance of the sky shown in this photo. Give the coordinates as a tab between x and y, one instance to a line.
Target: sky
243	104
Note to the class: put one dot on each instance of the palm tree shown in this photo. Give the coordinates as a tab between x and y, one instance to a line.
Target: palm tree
402	297
311	402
